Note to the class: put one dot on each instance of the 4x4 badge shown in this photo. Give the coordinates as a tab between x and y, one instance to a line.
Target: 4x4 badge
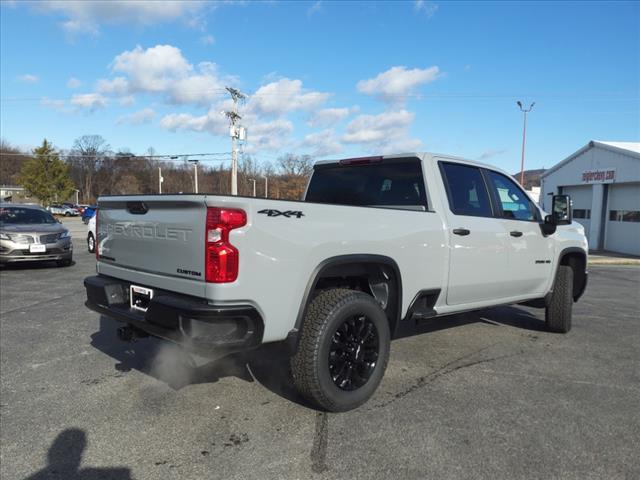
277	213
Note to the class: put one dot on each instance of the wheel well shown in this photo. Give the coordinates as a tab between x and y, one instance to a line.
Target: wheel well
578	263
374	275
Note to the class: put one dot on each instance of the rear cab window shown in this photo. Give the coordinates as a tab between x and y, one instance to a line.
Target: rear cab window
397	183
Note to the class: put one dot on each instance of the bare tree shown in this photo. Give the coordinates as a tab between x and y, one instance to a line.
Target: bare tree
88	152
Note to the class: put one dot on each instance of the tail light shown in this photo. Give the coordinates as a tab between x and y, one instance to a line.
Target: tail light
97	239
221	258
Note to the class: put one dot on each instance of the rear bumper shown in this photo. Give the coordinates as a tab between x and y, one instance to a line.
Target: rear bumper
205	329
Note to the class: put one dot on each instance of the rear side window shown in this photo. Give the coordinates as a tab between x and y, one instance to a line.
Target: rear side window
466	190
393	184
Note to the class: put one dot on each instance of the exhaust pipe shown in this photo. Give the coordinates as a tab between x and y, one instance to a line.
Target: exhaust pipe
130	334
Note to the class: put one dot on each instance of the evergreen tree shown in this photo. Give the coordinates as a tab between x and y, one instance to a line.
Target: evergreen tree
45	176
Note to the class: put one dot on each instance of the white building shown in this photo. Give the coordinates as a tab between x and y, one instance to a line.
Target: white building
7	192
603	179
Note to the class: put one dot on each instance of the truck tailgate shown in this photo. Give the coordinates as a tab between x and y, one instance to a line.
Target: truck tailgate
147	239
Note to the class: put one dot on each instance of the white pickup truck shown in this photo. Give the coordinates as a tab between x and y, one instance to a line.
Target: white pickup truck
377	245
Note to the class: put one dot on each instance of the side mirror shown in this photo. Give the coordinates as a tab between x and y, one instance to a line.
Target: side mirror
561	210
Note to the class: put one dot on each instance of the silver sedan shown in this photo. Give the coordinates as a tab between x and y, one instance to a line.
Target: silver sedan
28	233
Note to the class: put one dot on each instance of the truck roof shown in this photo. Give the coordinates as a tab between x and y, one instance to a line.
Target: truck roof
420	155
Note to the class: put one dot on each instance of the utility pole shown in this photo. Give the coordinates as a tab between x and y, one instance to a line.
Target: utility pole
524	137
160	180
236	133
254	185
266	185
195	169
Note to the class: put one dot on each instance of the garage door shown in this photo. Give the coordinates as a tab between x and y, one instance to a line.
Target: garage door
623	219
581	197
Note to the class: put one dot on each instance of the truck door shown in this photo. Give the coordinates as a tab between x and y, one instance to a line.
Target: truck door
478	241
530	253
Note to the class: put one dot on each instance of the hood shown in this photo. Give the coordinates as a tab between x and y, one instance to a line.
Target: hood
33	227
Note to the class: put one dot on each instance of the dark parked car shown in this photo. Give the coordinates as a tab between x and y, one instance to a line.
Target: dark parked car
29	233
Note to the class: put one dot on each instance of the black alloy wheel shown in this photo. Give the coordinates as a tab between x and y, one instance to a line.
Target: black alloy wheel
353	354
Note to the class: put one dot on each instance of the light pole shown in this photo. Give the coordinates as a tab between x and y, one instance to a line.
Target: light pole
266	186
77	196
254	185
195	169
524	137
160	180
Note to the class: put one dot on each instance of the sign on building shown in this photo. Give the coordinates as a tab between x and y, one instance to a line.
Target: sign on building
607	175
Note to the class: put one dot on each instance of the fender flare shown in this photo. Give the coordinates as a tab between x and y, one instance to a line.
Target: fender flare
317	273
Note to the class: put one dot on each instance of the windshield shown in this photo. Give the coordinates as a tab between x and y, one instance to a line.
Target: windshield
21	216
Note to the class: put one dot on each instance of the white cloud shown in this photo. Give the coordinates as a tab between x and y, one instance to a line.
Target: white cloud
201	88
58	105
397	82
426	7
386	132
322	143
127	101
212	122
89	101
492	152
316	7
84	17
29	78
328	116
268	136
73	83
207	40
145	115
116	86
284	95
152	69
164	70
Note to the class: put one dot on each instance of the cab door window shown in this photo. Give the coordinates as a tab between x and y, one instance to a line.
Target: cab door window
510	198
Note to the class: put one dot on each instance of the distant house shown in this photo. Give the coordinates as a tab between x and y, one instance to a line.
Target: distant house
532	182
11	193
603	179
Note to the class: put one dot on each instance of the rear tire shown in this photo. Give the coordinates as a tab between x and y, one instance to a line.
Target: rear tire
91	243
67	214
559	311
343	350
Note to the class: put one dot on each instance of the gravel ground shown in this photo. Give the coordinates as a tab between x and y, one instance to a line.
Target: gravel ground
484	395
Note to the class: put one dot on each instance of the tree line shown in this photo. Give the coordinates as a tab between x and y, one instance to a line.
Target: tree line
92	168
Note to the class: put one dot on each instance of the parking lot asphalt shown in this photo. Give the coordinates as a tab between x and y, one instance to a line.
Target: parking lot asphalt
482	395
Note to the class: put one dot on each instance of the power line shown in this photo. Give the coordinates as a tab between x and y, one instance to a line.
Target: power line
433	96
180	156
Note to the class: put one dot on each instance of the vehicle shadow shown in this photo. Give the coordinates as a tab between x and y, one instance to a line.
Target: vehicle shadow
65	456
506	315
171	365
268	365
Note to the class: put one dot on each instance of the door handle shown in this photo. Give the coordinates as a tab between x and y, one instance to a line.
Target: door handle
461	231
515	233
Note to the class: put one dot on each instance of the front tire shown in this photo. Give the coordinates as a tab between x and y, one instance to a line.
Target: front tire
343	351
91	243
559	311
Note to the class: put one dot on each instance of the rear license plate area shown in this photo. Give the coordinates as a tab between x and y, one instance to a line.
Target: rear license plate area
140	297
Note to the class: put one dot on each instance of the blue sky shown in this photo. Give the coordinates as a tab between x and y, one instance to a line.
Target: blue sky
331	79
